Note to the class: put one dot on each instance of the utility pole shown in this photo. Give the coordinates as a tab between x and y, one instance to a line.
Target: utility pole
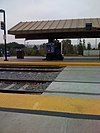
99	50
3	27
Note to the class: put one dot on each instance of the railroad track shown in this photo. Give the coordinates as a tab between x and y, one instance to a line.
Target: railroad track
27	80
32	69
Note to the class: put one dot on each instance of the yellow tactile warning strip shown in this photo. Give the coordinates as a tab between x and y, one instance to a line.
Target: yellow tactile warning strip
50	103
49	63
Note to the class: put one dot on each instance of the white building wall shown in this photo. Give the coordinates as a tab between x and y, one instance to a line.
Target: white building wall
91	53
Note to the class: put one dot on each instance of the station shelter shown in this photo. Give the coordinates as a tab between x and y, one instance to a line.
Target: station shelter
57	29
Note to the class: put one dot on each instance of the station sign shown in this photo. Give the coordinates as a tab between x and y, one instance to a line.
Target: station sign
2	25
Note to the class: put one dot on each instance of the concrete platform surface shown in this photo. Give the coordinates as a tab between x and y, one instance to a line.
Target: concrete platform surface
81	74
68	88
78	68
66	58
29	123
34	61
71	104
76	82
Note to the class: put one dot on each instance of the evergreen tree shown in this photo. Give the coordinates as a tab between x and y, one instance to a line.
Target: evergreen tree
80	48
67	47
89	46
99	46
84	46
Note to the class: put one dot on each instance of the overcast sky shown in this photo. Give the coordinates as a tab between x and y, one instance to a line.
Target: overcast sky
30	10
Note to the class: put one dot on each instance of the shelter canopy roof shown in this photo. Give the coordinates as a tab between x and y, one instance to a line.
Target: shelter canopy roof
69	28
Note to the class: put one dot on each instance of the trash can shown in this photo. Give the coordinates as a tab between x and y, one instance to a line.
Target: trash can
20	54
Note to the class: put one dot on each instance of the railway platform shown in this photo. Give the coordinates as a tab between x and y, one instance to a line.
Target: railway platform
70	104
39	61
